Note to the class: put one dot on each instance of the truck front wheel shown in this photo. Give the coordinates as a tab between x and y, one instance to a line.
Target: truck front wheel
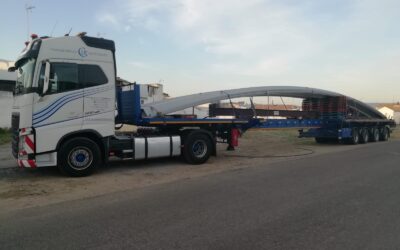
197	147
78	157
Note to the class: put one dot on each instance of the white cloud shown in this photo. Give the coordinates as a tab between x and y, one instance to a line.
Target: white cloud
255	30
108	18
311	41
138	64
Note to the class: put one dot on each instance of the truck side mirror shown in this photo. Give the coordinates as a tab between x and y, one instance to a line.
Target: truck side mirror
46	78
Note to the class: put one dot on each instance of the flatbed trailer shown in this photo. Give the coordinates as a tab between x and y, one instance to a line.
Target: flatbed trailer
68	103
341	122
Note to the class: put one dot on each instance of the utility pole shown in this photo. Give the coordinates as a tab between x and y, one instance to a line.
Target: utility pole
28	9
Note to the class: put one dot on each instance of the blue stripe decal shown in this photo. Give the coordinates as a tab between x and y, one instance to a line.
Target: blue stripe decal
56	101
48	115
54	109
65	97
71	97
72	119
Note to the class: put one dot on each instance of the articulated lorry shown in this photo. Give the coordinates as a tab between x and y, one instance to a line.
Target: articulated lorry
68	100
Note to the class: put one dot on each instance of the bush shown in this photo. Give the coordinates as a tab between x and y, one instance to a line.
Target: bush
5	135
5	130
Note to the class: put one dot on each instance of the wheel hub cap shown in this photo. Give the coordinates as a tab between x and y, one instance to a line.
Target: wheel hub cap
80	158
199	148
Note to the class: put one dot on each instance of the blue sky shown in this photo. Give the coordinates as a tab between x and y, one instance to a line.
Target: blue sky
348	46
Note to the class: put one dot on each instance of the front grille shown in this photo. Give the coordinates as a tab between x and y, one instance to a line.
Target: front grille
15	133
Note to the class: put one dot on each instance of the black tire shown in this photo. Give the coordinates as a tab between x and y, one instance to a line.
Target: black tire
197	147
384	134
374	135
78	157
364	135
355	137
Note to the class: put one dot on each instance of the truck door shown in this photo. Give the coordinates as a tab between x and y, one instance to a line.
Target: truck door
60	109
99	97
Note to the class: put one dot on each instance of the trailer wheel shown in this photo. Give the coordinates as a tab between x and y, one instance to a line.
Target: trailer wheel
364	135
384	135
78	157
355	137
197	147
374	136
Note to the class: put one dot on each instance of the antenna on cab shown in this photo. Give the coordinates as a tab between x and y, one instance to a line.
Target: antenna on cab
68	32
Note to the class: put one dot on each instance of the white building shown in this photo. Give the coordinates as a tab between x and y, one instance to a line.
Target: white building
7	80
5	64
6	101
391	111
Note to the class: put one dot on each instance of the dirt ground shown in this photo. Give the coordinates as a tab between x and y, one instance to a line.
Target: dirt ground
21	188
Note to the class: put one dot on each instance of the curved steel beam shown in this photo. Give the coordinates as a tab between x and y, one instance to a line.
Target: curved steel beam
183	102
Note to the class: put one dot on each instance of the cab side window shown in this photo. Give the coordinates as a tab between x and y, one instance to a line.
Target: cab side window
63	77
41	78
91	75
71	76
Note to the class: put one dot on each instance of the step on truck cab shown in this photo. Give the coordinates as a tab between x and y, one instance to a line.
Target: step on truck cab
64	111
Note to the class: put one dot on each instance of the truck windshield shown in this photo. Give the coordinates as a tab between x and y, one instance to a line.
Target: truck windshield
25	77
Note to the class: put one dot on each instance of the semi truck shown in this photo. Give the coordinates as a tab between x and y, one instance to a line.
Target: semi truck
68	102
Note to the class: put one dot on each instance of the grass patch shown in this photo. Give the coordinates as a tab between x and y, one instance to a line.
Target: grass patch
5	136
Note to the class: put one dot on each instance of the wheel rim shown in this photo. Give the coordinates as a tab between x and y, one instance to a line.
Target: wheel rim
355	138
376	135
366	137
199	148
80	158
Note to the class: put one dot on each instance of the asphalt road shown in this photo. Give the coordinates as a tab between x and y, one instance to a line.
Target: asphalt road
345	200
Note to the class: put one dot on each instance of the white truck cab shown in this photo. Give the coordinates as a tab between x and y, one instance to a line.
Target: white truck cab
64	110
64	85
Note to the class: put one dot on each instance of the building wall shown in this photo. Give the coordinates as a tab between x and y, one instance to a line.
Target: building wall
5	64
6	102
396	117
